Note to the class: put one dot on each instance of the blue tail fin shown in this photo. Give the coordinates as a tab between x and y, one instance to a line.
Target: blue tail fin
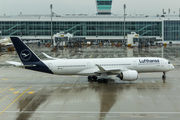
24	52
28	57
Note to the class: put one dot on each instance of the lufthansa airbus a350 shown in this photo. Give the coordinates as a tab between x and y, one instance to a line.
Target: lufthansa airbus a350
99	70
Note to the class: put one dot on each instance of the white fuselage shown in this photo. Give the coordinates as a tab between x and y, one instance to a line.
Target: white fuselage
88	66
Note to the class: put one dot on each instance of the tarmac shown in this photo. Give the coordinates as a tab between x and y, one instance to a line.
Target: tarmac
30	95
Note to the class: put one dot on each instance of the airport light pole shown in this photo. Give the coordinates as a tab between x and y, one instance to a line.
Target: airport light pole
124	21
51	22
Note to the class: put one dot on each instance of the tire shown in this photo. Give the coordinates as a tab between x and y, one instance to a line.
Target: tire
99	80
89	78
94	78
105	81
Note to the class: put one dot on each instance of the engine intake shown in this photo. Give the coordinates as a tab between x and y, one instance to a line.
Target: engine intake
129	75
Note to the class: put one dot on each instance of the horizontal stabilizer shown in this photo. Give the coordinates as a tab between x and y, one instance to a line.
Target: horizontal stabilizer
49	56
8	44
18	64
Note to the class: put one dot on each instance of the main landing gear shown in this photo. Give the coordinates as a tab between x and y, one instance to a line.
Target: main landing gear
95	79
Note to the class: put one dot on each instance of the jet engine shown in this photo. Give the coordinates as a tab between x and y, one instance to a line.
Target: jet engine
129	75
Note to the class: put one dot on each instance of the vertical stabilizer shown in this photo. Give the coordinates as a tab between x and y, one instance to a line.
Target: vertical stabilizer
28	57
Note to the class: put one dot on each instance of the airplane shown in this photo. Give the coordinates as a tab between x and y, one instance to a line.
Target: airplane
6	42
98	70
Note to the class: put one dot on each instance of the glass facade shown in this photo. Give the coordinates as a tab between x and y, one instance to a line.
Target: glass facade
104	4
43	28
171	30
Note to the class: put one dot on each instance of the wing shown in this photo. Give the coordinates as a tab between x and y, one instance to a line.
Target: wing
99	70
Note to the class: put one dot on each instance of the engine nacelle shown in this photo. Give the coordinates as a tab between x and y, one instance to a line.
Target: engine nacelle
129	75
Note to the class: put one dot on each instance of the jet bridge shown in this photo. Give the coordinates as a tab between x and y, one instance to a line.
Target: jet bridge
144	41
140	41
76	41
67	40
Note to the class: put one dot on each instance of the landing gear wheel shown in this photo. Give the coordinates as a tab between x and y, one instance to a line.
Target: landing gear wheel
102	81
105	81
92	78
89	78
164	76
99	80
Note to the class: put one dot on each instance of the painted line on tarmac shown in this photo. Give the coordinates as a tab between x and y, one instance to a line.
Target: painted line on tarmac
3	99
4	79
92	55
31	92
12	89
87	116
93	112
62	116
16	92
16	99
5	89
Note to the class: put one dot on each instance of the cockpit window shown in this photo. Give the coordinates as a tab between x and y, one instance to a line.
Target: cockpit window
169	63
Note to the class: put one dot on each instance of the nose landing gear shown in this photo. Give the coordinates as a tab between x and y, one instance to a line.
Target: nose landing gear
164	77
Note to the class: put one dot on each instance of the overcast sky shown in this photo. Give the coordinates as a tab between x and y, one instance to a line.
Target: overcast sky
61	7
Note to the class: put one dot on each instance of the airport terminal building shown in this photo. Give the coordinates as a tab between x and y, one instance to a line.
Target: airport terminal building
103	25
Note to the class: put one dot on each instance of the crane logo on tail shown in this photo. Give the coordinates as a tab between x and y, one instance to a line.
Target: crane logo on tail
25	55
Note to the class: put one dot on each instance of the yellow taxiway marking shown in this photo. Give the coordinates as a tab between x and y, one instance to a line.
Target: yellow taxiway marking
16	92
11	89
92	55
31	92
73	76
5	89
16	99
4	79
3	98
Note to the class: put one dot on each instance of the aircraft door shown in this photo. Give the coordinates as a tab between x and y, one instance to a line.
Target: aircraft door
88	65
135	64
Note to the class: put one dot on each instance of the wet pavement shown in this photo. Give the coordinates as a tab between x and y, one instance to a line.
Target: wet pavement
30	95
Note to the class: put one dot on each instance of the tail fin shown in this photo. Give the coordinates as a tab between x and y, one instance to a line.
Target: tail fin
28	57
24	52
